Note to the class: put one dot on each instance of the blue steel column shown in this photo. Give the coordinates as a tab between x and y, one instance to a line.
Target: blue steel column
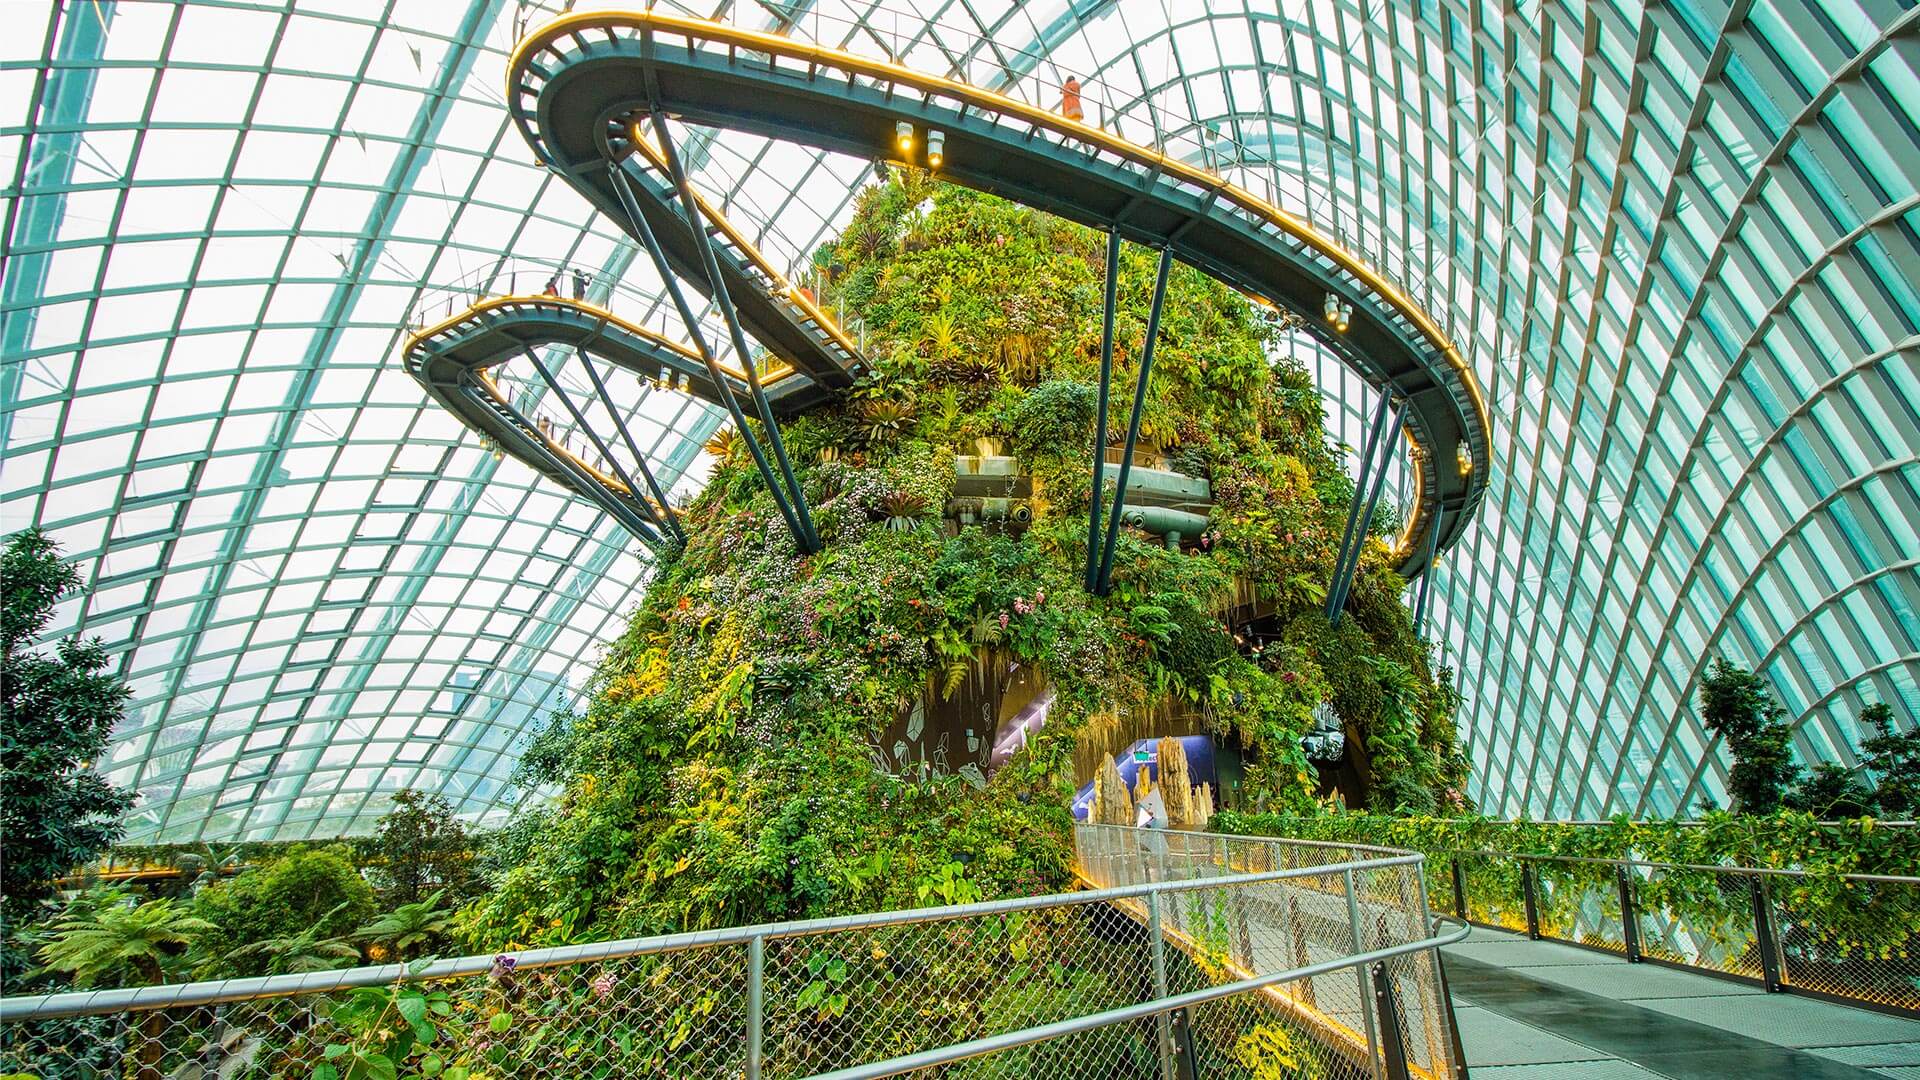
1100	423
579	418
721	387
1345	582
668	517
1367	449
809	542
1104	582
1426	570
61	97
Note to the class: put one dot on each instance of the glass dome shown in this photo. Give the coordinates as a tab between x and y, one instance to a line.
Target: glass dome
1673	241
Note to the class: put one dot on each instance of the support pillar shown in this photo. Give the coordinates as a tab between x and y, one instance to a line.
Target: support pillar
1103	579
1100	420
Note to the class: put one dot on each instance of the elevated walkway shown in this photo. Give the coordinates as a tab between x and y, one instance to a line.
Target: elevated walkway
581	88
1542	1010
455	361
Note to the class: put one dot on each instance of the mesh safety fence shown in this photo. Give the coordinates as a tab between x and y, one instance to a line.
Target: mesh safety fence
1850	936
843	993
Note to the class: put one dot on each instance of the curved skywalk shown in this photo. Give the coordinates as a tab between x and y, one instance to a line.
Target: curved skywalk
583	87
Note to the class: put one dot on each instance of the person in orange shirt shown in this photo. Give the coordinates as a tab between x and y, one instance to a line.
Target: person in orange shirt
1070	100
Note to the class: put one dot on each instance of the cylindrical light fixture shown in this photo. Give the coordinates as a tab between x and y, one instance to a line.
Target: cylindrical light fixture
936	148
1343	318
903	137
1332	308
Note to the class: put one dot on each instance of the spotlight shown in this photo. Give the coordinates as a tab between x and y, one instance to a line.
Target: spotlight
1343	318
1332	308
936	148
903	137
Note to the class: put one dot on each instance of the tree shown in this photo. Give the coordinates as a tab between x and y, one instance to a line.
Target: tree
56	715
316	889
105	938
110	941
298	954
420	845
1894	758
1735	705
1831	792
409	926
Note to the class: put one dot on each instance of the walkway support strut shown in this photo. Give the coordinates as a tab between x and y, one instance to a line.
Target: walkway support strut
1426	573
1367	448
1343	581
1100	423
672	520
804	535
1104	580
679	296
580	419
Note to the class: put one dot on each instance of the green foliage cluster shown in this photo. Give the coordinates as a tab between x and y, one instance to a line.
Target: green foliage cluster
419	846
1786	840
726	770
1832	927
317	889
1736	705
295	909
56	813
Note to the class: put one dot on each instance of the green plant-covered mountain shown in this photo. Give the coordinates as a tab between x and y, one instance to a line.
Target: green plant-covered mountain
778	736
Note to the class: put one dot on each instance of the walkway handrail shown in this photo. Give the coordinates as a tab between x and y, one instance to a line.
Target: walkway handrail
1851	938
1724	868
1058	1029
209	992
1336	959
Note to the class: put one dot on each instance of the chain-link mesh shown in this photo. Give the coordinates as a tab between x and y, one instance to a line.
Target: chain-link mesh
678	1014
1320	1025
1854	937
852	992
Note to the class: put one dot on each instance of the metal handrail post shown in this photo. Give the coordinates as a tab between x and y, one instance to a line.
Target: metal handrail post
1459	890
1360	975
1526	894
1629	916
756	1002
1764	938
1157	946
1298	931
1433	1005
1393	1041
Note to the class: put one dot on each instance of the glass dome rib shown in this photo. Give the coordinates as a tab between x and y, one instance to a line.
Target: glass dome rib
1689	315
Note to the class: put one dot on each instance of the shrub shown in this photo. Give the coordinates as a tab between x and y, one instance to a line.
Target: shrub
1054	418
305	889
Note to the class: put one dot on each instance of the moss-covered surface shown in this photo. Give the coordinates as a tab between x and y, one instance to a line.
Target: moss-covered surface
734	764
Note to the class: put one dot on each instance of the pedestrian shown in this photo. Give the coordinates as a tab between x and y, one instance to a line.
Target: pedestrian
580	280
553	285
1070	100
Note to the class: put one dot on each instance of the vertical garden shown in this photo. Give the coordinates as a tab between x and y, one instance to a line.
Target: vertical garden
903	717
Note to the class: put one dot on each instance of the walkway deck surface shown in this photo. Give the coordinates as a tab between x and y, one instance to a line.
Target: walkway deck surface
1536	1010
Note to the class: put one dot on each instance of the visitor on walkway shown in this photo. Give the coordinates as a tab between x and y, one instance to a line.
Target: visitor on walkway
580	280
553	285
1070	100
